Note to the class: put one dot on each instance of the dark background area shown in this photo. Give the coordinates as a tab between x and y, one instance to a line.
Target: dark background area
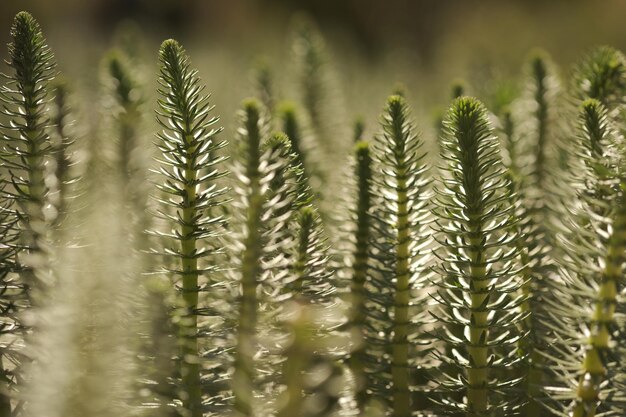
373	24
425	44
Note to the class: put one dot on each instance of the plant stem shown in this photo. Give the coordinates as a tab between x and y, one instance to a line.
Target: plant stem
190	364
360	267
594	368
477	393
251	269
400	345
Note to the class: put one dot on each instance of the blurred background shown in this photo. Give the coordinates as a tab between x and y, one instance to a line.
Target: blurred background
423	44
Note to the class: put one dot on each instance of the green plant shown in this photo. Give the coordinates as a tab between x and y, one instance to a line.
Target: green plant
190	167
479	255
26	146
401	214
312	281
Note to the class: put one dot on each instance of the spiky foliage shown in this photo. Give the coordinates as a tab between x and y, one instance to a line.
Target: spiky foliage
312	277
26	142
327	141
361	263
61	166
26	220
532	153
477	261
128	98
250	256
593	273
189	166
290	257
601	75
11	291
401	215
291	126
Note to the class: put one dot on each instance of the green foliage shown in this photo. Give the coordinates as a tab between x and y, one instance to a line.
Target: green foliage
189	166
313	281
479	257
357	317
26	219
26	141
593	271
401	215
601	75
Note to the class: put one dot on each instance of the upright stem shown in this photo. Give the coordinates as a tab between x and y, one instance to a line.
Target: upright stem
304	238
594	369
400	345
360	267
190	364
250	272
477	392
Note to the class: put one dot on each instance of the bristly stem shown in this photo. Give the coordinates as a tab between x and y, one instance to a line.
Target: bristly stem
478	260
188	146
250	262
27	137
358	313
610	197
401	214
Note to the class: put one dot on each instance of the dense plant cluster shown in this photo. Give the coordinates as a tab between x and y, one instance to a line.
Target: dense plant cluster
294	270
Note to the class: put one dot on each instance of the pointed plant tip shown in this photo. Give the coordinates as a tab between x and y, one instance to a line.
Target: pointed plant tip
396	100
466	105
307	212
24	18
287	108
25	28
591	104
276	141
251	106
170	47
362	148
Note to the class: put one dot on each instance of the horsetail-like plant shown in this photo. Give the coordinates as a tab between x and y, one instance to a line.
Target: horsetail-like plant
478	252
26	146
593	271
11	291
602	320
357	318
601	75
306	396
282	193
250	268
291	126
313	278
26	142
127	96
283	197
311	57
531	150
401	215
318	93
62	141
523	272
189	166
